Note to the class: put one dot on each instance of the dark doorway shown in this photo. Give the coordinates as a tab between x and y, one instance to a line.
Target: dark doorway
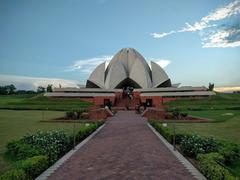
106	102
148	102
127	83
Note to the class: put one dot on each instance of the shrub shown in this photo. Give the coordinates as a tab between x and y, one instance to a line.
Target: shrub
164	131
34	166
71	115
75	114
195	144
54	143
20	150
176	113
79	113
180	136
230	152
86	131
167	133
184	114
210	167
14	174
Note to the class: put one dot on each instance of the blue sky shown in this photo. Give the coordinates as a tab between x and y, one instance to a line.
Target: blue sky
59	39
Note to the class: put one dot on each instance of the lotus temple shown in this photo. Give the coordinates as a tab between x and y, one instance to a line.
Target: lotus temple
129	81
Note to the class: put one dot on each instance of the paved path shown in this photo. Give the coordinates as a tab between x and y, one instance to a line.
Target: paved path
125	148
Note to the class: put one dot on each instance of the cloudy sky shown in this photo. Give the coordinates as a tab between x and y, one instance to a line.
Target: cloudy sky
61	41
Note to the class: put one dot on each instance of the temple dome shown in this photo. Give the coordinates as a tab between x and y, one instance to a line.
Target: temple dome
128	68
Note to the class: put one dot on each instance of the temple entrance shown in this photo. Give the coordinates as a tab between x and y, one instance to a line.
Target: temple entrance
128	83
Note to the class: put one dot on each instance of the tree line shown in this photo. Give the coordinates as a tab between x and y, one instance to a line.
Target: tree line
11	89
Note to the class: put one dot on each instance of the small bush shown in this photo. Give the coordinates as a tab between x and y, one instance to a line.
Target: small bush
167	133
71	115
79	113
20	150
210	167
176	113
14	174
75	114
86	131
184	114
34	166
54	143
230	152
195	144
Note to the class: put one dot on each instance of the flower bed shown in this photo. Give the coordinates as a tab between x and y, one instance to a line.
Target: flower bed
213	158
34	153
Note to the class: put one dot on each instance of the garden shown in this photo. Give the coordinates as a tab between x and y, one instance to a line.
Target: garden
212	146
216	159
34	153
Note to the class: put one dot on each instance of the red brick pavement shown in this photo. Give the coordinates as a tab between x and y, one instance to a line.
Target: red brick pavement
125	148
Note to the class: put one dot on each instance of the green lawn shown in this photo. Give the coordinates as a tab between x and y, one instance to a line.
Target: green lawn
226	128
221	101
16	123
39	102
219	108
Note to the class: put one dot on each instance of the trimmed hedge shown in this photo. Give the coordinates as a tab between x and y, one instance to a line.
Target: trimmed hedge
230	152
36	152
34	166
167	133
20	150
195	144
85	131
210	167
15	174
53	143
27	169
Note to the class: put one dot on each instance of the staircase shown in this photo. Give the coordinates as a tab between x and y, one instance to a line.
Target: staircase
125	103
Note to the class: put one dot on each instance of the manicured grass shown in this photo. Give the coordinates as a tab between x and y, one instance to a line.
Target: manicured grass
219	108
226	127
14	124
39	102
220	101
223	108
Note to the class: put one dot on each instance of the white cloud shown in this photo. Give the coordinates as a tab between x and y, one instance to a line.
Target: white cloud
198	26
88	65
220	39
26	82
230	9
221	36
160	35
161	62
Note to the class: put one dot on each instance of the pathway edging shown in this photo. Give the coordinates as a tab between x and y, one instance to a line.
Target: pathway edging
56	165
198	175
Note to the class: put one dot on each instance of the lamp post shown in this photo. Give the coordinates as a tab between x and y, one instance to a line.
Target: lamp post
74	135
174	137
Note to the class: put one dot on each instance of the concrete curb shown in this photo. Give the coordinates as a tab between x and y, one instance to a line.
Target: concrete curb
180	157
55	166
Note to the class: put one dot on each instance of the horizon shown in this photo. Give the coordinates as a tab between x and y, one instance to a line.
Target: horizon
59	42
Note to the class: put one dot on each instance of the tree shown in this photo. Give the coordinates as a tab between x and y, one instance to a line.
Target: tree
210	86
11	89
3	90
8	89
41	89
49	88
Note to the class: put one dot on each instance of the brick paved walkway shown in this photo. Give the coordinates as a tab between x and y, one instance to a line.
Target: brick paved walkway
125	148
